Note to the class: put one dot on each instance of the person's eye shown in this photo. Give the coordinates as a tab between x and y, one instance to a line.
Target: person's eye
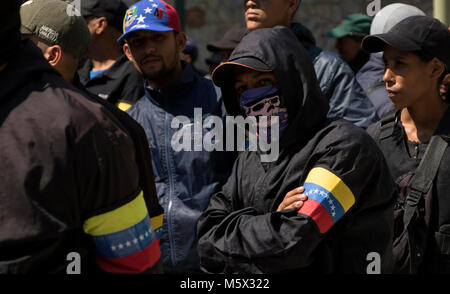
136	42
400	63
158	38
265	82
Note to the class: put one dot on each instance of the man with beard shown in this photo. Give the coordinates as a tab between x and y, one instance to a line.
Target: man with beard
184	180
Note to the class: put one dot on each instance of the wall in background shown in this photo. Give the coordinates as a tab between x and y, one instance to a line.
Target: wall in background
208	20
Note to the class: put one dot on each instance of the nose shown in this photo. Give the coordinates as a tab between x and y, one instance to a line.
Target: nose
389	76
250	4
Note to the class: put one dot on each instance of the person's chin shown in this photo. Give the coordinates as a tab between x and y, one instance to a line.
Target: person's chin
254	24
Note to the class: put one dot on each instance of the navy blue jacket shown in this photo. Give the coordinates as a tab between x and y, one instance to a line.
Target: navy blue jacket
338	83
184	180
370	77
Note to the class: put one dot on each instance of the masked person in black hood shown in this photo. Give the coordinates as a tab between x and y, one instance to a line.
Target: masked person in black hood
261	221
336	79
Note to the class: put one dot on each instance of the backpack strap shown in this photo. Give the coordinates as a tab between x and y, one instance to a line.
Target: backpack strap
388	124
424	176
420	184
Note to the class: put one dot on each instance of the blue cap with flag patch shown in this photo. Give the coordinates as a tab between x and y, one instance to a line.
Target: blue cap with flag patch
150	15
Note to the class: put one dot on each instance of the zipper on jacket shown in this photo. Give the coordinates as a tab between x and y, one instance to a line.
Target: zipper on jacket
170	176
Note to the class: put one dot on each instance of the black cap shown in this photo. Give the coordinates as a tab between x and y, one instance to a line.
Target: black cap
224	72
231	39
113	10
415	33
9	29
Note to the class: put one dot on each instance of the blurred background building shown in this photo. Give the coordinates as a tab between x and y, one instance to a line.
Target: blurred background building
207	20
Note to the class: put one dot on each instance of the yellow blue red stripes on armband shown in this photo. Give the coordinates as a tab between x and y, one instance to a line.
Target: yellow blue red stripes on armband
124	239
329	198
157	223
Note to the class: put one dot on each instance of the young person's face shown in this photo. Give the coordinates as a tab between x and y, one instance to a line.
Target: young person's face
348	48
408	79
155	54
246	79
269	13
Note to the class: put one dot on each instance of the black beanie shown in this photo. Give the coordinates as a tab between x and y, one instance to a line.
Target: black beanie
9	29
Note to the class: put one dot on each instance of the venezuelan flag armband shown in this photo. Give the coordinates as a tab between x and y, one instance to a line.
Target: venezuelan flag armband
329	198
124	238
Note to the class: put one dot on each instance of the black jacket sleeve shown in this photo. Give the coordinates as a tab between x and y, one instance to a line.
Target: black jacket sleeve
237	239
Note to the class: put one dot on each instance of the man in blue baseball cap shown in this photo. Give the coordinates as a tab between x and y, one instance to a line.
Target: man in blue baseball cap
185	180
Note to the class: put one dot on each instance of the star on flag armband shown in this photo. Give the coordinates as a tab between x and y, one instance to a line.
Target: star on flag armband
124	239
329	198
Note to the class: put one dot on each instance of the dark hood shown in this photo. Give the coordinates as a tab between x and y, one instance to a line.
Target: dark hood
304	35
27	62
279	49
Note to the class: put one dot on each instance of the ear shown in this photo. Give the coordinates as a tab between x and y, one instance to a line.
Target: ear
100	25
127	51
181	41
293	5
438	68
53	54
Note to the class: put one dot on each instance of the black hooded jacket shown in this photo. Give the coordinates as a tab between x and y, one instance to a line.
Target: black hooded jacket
241	232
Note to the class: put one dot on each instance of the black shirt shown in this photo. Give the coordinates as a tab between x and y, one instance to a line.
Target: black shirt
121	83
403	157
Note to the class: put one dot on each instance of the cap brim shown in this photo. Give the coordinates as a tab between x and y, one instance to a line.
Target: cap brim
337	32
154	28
225	71
376	43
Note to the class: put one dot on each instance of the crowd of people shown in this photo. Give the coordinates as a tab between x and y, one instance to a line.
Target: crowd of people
94	101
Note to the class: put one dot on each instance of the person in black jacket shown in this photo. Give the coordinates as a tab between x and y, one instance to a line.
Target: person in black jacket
417	59
64	54
324	205
108	73
345	96
69	183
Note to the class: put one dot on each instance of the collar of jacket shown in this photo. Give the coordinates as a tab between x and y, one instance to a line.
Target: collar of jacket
116	71
359	61
27	61
181	84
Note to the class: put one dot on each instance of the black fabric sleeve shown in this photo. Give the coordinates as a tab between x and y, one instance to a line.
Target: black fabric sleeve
280	241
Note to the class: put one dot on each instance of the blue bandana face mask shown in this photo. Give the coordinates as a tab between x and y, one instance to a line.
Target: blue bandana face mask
265	102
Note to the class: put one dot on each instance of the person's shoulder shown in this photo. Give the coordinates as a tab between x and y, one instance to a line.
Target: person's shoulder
343	134
205	87
73	107
333	59
374	130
